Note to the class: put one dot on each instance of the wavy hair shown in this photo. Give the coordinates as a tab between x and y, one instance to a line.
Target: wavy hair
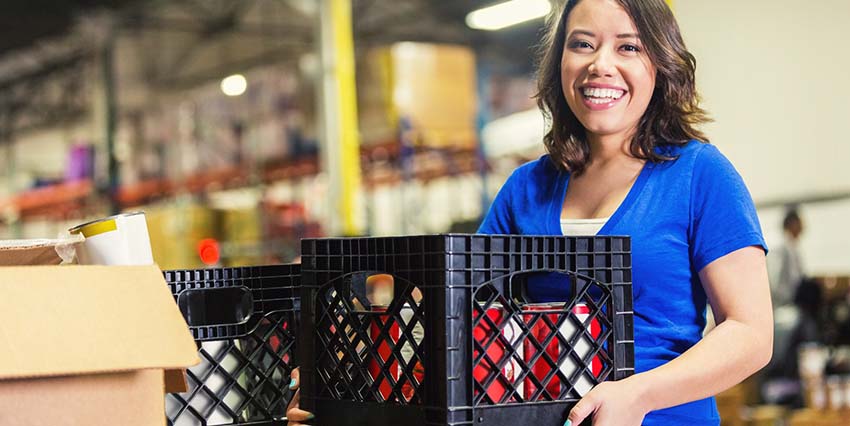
673	113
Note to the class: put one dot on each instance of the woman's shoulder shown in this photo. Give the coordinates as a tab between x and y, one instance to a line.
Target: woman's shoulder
688	149
705	167
694	155
541	169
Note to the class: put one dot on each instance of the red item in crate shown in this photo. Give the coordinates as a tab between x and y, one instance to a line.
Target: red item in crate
541	330
385	352
497	351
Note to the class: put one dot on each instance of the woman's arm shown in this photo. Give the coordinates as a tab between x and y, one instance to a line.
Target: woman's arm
741	344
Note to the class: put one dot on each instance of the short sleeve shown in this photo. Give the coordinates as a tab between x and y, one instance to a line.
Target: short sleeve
499	219
723	216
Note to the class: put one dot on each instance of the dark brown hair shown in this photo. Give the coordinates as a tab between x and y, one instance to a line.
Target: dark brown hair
673	112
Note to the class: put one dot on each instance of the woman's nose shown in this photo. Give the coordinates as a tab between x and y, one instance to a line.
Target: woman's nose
602	65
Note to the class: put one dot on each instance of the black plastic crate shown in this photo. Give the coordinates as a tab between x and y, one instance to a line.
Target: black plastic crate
461	343
245	321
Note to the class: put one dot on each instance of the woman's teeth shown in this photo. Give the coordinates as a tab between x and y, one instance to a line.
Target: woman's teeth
601	96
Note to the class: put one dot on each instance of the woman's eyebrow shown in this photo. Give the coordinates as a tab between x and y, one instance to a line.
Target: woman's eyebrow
591	34
583	32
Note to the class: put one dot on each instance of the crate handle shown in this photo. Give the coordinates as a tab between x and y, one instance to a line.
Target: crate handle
352	289
582	280
216	306
578	282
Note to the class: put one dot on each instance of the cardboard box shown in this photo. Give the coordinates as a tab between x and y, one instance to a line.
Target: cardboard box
38	251
811	417
768	415
89	345
433	86
730	403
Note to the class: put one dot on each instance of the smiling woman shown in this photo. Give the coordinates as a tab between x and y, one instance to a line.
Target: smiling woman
648	50
617	84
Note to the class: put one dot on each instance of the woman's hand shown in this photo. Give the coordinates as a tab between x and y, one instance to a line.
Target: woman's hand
620	403
295	415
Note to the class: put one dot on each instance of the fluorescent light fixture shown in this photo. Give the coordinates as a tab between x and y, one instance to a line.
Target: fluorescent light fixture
509	13
234	85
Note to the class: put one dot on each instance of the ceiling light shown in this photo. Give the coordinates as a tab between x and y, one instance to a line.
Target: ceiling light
509	13
234	85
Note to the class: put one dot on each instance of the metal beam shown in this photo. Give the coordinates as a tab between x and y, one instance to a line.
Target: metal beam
279	55
45	97
46	69
180	25
109	93
215	26
340	140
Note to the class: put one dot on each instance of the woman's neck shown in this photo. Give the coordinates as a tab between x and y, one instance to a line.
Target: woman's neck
607	148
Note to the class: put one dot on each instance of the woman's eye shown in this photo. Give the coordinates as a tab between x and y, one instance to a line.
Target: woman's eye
630	48
580	45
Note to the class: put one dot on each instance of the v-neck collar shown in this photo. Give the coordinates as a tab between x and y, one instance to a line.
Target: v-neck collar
560	194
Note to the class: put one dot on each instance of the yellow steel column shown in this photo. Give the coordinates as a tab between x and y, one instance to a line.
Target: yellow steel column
341	147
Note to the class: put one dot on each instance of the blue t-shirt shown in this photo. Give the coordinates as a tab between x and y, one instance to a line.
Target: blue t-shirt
681	215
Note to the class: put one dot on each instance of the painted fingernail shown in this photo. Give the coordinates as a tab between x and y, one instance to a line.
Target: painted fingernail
311	416
568	423
292	384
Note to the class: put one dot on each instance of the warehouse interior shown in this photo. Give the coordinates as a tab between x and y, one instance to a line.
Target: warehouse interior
241	127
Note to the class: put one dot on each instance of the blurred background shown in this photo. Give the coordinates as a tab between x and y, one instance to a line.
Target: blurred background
249	124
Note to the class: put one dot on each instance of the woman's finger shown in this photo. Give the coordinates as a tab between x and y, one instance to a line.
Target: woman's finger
295	416
294	403
298	415
295	379
585	407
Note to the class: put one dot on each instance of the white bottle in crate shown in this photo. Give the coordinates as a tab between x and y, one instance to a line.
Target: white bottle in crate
215	383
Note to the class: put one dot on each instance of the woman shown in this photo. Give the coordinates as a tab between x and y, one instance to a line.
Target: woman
625	158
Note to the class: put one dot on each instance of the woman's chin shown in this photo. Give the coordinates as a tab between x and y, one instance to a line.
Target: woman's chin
603	129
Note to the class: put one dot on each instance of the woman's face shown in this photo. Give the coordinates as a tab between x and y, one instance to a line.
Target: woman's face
606	75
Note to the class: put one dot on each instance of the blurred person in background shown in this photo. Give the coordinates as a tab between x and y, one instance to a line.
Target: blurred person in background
625	158
790	301
785	267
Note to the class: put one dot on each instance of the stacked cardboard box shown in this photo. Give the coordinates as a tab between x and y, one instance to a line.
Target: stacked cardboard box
812	417
429	86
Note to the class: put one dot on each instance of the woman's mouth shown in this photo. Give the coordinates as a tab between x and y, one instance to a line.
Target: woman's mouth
598	98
